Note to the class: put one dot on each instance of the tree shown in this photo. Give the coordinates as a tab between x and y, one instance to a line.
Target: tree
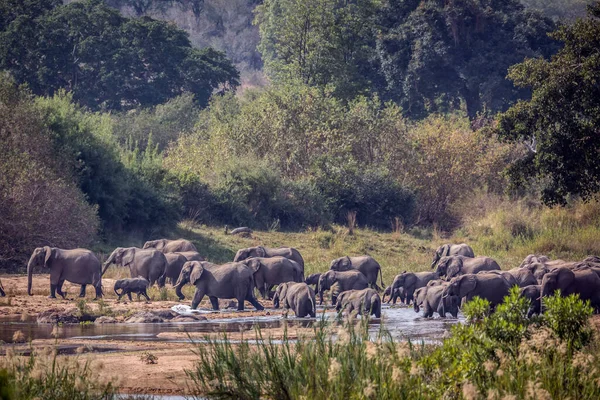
108	61
320	42
561	122
438	55
559	10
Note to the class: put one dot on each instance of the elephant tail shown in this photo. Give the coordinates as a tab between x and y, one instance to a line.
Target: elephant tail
381	278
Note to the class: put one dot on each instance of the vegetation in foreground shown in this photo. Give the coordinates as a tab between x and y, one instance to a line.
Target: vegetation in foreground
501	355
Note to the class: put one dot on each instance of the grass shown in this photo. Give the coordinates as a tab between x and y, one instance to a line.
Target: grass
497	356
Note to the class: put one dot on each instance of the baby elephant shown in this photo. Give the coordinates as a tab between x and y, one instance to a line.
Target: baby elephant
365	302
132	285
298	296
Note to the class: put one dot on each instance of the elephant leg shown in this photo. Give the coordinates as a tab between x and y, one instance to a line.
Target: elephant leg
250	298
59	289
2	292
214	302
52	291
82	291
143	293
198	296
98	292
129	296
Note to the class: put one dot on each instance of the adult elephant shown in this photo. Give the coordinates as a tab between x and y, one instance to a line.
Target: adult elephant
228	281
446	250
170	246
296	296
365	302
150	264
79	266
491	287
364	264
459	265
523	277
585	283
267	252
412	281
174	265
431	299
341	281
273	271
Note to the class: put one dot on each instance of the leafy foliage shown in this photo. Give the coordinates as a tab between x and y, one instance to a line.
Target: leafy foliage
559	10
568	317
436	55
560	122
106	60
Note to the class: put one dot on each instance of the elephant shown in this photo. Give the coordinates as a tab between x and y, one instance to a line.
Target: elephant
344	280
191	255
510	279
593	259
540	269
459	265
80	266
532	293
365	302
446	250
365	264
273	271
297	296
491	287
534	258
175	263
313	279
523	276
150	264
137	285
170	246
227	281
411	281
266	252
430	298
399	293
585	282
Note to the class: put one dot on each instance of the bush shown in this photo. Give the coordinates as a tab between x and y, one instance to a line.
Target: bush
568	317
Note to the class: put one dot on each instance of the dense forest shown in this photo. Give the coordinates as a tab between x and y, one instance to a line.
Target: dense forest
116	122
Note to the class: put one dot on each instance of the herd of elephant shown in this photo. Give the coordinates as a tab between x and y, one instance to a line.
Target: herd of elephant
458	276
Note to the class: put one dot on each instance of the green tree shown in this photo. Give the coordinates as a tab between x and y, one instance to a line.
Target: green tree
443	55
320	42
560	123
106	60
559	10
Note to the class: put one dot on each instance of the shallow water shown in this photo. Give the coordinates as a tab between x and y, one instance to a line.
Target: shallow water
402	323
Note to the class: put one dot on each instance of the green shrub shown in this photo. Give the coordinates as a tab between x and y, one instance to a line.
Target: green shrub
476	310
568	317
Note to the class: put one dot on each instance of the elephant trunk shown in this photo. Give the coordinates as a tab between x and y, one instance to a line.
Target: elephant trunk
178	286
107	263
117	293
436	258
29	276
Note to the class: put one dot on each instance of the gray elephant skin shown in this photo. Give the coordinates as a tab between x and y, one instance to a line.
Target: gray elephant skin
585	283
446	250
273	271
191	255
520	277
365	302
452	266
491	287
313	279
132	285
432	300
365	264
412	281
394	295
150	264
298	297
175	263
228	281
79	266
341	281
532	293
170	246
266	252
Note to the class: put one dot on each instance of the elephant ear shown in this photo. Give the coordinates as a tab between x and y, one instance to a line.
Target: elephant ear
50	253
467	283
420	295
346	263
445	250
261	251
128	256
254	264
454	268
282	289
409	280
196	273
565	278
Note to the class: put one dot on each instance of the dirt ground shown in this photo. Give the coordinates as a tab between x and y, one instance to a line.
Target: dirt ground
123	364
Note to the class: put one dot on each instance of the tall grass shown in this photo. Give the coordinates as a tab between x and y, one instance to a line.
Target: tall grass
502	355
